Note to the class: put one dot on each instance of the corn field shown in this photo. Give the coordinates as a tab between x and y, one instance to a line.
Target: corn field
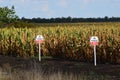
67	41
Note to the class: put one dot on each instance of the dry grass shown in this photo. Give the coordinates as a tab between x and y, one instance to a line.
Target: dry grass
37	72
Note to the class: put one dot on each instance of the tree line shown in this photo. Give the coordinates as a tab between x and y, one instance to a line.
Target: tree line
71	20
8	17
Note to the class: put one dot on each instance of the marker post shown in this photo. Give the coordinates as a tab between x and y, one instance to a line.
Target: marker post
39	40
39	52
95	55
94	42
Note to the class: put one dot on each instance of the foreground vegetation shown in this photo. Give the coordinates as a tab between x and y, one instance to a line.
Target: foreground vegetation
30	69
65	41
36	74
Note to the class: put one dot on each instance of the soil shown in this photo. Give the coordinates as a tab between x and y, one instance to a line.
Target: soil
7	63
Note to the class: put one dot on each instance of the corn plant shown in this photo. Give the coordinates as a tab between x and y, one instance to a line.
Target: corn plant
69	41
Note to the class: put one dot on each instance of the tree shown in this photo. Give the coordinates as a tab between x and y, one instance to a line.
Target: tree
7	15
106	18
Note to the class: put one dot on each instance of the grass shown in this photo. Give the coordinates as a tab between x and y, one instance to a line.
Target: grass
35	75
41	71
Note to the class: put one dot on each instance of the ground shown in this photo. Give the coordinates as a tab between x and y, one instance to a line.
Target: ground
12	63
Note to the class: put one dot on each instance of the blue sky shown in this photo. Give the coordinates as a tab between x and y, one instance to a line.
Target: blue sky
64	8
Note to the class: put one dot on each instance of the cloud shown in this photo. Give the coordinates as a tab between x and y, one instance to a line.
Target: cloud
22	0
36	5
1	1
63	3
87	1
40	5
115	2
45	8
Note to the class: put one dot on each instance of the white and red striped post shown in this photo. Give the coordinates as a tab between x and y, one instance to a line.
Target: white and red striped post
94	42
39	39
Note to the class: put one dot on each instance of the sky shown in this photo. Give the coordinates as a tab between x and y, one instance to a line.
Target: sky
64	8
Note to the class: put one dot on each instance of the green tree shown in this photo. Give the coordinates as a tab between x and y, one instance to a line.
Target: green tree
7	16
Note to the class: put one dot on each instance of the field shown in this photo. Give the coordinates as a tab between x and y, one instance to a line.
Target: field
67	42
64	41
